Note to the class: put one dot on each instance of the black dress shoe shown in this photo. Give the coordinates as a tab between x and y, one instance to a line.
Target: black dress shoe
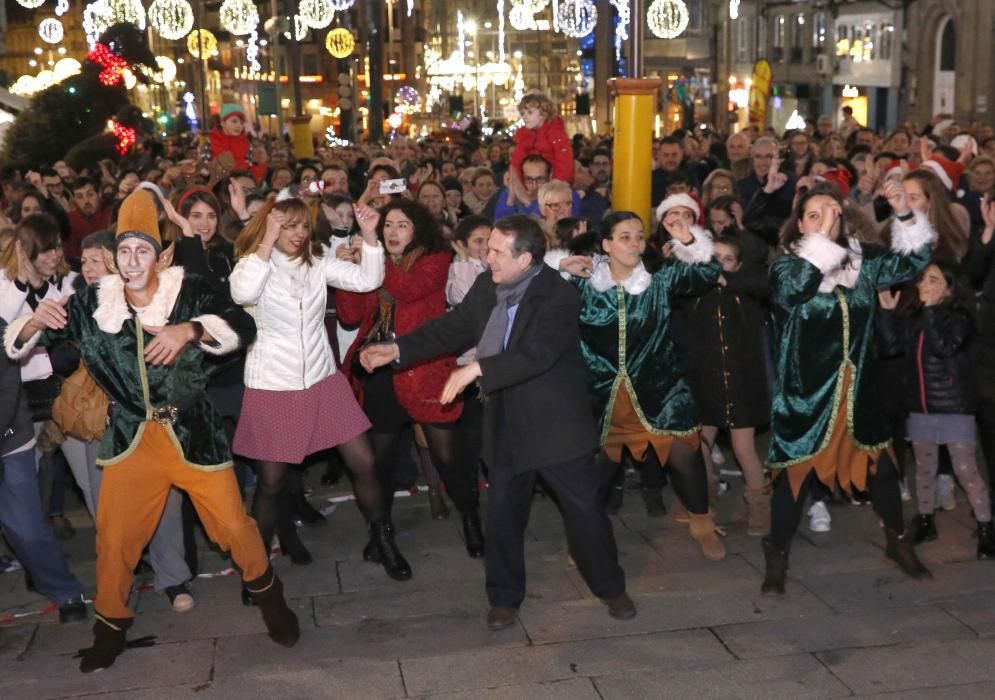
501	618
621	607
73	610
473	534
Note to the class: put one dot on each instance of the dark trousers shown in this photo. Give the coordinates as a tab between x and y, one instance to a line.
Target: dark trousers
576	486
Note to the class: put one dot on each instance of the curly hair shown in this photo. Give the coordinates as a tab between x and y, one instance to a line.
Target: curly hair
427	234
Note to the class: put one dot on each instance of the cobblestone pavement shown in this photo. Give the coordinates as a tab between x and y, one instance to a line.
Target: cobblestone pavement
850	625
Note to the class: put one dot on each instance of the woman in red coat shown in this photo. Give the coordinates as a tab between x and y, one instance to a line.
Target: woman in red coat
413	292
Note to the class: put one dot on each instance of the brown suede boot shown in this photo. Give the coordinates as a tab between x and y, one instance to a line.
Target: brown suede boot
704	530
281	622
757	511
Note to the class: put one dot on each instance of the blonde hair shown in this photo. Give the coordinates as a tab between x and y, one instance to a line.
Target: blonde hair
294	209
540	102
551	188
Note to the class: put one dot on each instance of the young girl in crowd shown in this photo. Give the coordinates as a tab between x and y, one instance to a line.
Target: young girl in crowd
933	335
296	402
542	133
727	369
826	421
637	383
413	292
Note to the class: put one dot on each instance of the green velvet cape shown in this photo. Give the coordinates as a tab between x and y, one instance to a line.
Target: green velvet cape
625	340
818	335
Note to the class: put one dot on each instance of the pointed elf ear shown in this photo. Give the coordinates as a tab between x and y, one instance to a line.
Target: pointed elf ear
109	261
165	258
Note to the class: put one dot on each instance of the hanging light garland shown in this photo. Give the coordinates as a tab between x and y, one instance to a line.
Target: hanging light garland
61	7
238	16
733	9
113	65
340	42
668	19
522	18
316	14
202	39
500	13
622	28
167	70
126	136
30	4
300	28
51	30
96	19
252	51
340	5
130	11
577	18
172	19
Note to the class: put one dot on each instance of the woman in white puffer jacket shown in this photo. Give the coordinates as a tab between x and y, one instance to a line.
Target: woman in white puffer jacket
296	402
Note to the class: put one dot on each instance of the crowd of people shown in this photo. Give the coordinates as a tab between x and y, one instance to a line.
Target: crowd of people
197	323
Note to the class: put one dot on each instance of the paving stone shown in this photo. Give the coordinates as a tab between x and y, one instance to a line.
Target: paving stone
909	666
588	619
822	632
967	691
789	677
809	559
14	642
975	611
574	689
519	665
731	574
161	665
429	567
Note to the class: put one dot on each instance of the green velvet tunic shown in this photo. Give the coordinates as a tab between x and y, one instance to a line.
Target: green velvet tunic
626	341
116	361
818	335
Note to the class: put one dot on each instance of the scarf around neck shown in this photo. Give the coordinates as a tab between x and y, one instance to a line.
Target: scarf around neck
508	295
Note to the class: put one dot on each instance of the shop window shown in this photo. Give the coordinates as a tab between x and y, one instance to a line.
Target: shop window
819	33
761	42
777	52
948	49
309	64
797	32
744	41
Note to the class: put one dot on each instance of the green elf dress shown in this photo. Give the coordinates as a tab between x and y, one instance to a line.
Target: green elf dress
825	412
636	379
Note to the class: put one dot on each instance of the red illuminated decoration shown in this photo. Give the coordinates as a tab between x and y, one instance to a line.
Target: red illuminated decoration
126	137
113	66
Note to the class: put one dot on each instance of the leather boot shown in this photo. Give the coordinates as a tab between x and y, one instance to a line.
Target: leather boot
776	563
899	550
305	512
383	550
473	535
757	511
986	540
653	500
704	530
437	504
292	546
109	642
923	529
281	622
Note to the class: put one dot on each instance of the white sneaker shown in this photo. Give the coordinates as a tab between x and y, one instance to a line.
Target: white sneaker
945	498
819	519
718	459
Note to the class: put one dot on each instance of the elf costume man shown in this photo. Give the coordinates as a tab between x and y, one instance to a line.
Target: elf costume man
143	333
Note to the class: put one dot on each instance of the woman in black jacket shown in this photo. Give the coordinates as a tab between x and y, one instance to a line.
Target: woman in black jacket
933	337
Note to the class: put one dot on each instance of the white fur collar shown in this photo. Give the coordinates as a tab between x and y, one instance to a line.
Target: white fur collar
636	283
112	308
847	274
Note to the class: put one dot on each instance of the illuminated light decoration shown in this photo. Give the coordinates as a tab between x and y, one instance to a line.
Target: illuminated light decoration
51	30
395	120
461	36
300	28
66	67
252	51
190	111
556	16
167	70
850	92
46	78
622	28
411	7
500	13
734	14
407	100
332	138
522	18
96	19
31	4
126	136
172	19
113	65
202	39
130	11
340	42
668	19
25	86
317	14
130	81
238	16
795	121
340	5
577	18
61	7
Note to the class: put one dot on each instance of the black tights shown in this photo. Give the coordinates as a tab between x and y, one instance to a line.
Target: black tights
271	502
444	445
687	472
786	510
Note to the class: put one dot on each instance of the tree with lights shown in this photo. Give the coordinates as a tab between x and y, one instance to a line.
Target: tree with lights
69	120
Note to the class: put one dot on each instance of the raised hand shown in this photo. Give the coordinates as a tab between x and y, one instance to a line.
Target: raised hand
26	272
237	198
367	217
895	194
888	299
175	217
775	178
577	265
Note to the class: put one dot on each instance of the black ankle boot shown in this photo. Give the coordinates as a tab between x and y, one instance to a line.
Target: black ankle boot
383	550
986	540
776	561
109	641
900	551
473	535
281	622
653	500
292	546
923	529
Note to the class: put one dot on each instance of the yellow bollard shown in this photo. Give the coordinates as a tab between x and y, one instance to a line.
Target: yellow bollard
300	137
632	160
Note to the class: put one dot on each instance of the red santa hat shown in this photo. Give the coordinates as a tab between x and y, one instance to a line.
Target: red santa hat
948	171
841	176
894	167
678	200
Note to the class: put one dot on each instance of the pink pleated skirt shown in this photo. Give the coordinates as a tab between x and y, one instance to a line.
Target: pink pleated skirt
287	426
